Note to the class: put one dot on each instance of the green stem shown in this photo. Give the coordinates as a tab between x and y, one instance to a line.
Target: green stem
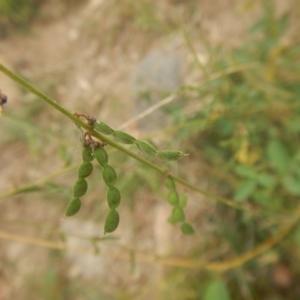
114	144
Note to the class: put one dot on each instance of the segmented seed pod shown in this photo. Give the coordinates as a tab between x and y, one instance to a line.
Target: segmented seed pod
73	207
187	229
177	215
123	137
173	198
103	128
101	156
170	155
170	184
80	187
145	147
111	221
113	197
85	169
87	154
109	175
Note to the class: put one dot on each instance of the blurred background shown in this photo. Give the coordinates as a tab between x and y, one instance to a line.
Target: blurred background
218	80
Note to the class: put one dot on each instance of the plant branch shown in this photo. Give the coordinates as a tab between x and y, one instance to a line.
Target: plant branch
114	144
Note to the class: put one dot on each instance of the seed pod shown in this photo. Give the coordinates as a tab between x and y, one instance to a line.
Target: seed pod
145	148
80	188
109	175
101	156
123	137
87	154
170	184
113	197
111	221
103	128
85	169
173	198
187	229
73	207
170	154
177	215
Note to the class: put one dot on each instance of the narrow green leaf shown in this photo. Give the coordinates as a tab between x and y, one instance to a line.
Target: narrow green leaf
245	189
279	156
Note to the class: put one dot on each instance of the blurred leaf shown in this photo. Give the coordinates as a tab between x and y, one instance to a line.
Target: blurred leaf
244	190
266	180
292	185
245	171
216	290
279	156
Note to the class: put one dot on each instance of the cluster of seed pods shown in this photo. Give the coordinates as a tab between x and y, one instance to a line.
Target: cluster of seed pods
81	185
177	215
92	149
146	148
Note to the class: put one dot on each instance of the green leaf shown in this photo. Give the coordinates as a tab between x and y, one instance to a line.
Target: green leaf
216	290
292	185
245	171
244	190
266	180
279	156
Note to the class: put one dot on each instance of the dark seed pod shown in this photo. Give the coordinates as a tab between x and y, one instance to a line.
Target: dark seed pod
103	128
80	188
101	156
111	221
113	197
170	155
87	154
73	207
109	175
170	184
123	137
173	198
85	170
177	215
145	148
187	229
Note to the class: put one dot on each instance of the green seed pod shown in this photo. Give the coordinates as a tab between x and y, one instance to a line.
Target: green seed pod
103	128
123	137
73	207
145	147
101	156
170	184
187	229
80	187
170	155
173	198
111	221
85	170
109	175
177	215
87	154
113	197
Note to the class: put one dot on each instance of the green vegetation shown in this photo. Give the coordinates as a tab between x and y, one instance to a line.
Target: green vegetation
244	160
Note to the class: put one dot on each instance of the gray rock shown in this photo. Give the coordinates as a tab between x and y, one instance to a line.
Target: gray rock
157	76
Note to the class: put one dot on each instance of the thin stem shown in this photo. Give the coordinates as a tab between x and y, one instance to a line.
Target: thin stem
114	144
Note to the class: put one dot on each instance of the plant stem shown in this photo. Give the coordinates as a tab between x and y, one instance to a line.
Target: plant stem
114	144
